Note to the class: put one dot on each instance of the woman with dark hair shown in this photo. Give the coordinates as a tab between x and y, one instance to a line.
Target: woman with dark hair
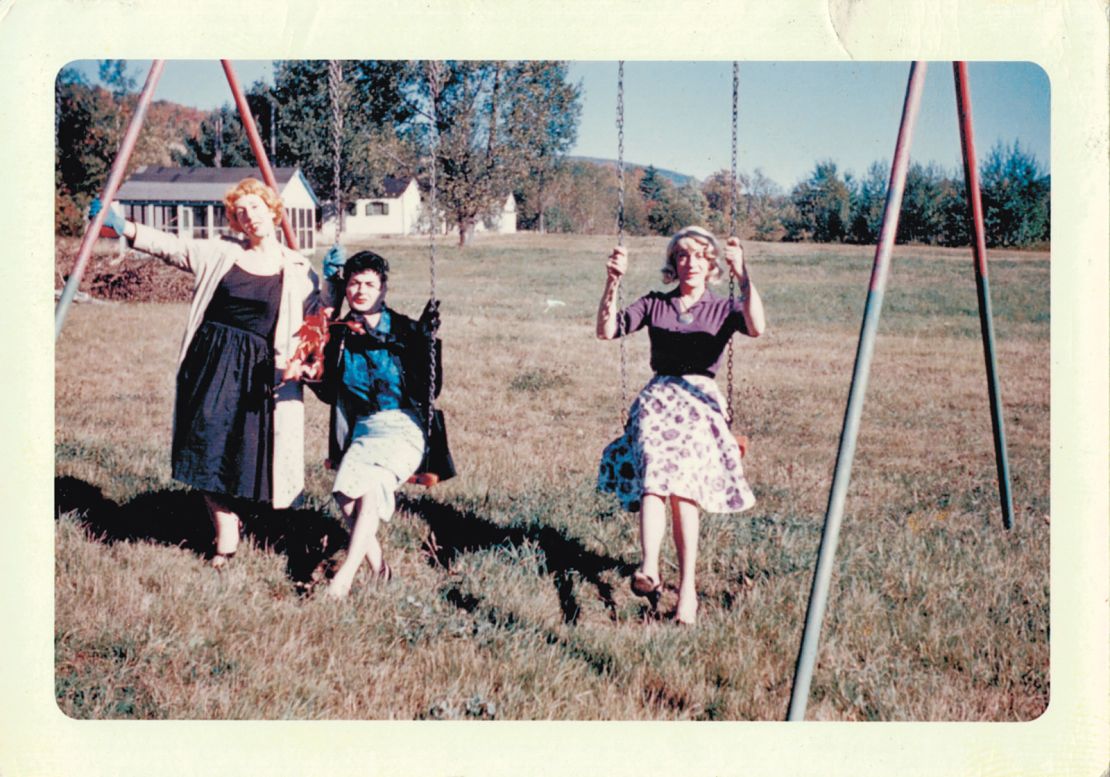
377	366
238	431
676	447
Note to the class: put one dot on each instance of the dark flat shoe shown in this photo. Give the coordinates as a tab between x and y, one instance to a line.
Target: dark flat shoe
646	585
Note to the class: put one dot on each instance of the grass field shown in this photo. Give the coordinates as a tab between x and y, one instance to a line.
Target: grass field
510	598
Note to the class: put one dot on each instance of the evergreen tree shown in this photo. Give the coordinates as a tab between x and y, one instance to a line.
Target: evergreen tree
867	204
1016	197
922	219
820	207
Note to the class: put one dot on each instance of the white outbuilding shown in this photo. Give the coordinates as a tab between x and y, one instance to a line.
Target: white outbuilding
189	201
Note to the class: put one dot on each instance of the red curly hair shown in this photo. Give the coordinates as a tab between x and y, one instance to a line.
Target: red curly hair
252	186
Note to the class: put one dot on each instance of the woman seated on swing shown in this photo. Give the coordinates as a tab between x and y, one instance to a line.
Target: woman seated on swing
376	371
676	446
238	430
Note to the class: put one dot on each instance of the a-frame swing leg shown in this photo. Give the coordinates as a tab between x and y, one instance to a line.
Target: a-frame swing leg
986	325
255	141
818	597
115	178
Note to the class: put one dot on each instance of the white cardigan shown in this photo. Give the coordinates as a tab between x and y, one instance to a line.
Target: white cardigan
209	261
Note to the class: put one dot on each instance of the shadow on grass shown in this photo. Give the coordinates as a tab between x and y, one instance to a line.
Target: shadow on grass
307	538
455	531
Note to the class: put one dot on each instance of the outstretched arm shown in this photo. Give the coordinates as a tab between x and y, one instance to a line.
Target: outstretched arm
751	304
188	255
607	309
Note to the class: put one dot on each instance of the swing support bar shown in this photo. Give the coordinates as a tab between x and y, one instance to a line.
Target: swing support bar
115	178
255	140
982	287
818	598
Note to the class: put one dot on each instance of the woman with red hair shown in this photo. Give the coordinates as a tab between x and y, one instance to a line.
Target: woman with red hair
238	429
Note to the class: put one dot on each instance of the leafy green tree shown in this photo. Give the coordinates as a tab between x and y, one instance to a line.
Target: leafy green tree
496	123
1016	197
374	103
762	215
541	126
220	142
956	214
922	218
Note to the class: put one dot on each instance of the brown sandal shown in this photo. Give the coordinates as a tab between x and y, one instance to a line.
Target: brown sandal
646	585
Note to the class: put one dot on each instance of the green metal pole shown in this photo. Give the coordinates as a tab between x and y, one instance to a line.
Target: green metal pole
986	320
818	597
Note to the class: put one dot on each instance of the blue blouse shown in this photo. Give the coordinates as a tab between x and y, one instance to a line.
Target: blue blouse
372	375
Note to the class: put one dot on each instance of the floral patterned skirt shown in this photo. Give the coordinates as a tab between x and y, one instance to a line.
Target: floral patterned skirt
677	443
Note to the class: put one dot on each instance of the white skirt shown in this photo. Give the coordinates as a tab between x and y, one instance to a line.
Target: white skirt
677	443
386	449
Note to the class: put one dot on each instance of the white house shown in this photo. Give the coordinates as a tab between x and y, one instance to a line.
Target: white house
189	201
397	212
502	223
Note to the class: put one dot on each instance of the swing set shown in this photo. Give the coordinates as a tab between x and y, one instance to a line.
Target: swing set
872	309
849	432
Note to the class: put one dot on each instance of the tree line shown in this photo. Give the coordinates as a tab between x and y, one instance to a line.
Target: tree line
500	127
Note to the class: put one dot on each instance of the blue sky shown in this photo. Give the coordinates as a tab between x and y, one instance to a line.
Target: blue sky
792	114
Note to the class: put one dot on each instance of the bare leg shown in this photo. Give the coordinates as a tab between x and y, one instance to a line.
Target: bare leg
685	521
653	524
364	543
226	524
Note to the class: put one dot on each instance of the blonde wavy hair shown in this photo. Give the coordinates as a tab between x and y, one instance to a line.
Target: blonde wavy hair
251	186
703	237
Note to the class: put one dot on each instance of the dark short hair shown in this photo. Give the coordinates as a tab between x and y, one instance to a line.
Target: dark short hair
363	261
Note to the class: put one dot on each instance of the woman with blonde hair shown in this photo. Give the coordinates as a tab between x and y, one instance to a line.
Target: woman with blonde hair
238	432
676	448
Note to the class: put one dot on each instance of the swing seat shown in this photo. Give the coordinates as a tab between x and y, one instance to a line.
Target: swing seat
742	441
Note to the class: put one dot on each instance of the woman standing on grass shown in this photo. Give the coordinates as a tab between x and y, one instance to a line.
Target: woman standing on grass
238	431
676	446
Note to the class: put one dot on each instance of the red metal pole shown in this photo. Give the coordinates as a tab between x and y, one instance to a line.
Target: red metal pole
256	146
986	325
115	178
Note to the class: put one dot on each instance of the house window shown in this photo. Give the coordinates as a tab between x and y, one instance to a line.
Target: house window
200	221
164	217
133	212
219	220
303	221
377	209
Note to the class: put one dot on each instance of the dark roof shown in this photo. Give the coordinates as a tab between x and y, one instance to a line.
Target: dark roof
395	187
196	184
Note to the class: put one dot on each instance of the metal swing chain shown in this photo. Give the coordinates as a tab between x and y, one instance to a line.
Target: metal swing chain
335	85
620	237
434	87
734	196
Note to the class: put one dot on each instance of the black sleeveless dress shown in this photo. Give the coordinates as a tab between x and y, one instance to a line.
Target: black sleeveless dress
223	418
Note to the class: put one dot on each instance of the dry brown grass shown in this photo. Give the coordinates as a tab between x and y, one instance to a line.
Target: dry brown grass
523	609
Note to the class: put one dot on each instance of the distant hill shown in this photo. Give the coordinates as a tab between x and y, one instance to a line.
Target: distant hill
678	179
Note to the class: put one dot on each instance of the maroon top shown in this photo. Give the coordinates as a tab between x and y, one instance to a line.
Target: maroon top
684	349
